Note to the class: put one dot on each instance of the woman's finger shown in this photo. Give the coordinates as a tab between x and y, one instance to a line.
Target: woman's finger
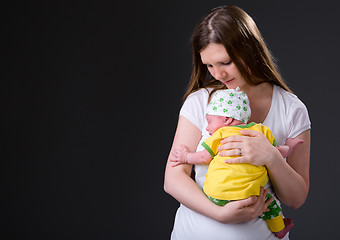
230	145
231	152
233	138
240	138
235	160
263	196
267	203
250	133
247	202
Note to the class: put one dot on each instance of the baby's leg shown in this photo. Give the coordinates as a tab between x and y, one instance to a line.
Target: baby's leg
279	226
283	149
288	225
218	202
289	146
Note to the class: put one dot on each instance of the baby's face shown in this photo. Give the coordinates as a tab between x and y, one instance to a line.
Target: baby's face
214	123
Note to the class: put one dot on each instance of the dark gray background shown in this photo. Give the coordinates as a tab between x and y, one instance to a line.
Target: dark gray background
91	93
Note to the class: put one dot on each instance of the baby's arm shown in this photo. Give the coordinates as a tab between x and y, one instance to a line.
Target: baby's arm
182	155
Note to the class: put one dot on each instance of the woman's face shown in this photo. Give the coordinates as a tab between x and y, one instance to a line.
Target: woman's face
220	66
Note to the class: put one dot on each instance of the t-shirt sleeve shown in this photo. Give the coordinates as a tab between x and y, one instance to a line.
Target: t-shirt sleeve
269	135
300	121
194	107
211	143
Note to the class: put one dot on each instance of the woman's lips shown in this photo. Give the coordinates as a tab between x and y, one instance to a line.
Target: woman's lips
228	81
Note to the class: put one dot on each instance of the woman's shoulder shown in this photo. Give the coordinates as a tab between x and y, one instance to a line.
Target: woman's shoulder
198	98
194	107
293	110
289	96
289	99
200	93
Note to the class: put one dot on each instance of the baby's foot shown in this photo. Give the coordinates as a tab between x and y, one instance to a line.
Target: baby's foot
288	225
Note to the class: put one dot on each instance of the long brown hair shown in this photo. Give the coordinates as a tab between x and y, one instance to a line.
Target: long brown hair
236	30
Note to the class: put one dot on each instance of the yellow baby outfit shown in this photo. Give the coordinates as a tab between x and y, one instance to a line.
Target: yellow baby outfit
234	181
226	182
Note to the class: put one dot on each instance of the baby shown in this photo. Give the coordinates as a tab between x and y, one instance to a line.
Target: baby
228	112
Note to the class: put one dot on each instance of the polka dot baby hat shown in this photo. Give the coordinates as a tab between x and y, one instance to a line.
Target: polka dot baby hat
230	103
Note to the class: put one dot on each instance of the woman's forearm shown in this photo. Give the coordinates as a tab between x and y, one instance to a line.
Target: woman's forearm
291	179
177	180
289	186
179	185
182	187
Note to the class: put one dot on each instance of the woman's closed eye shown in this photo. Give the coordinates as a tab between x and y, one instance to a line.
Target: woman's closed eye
221	63
227	63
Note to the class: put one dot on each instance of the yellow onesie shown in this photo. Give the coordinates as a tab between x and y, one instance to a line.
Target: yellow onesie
233	181
227	182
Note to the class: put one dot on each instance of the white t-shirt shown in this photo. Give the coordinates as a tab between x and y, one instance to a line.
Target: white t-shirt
287	118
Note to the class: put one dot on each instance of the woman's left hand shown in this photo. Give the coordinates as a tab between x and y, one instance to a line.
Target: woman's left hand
251	147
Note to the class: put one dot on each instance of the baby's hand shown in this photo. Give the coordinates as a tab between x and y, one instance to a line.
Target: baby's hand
179	156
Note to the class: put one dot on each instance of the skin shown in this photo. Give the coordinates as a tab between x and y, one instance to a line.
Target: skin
290	179
183	155
180	185
216	122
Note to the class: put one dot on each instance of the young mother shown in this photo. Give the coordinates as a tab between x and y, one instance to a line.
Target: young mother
229	52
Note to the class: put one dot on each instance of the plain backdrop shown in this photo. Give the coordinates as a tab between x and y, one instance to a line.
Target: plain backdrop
91	92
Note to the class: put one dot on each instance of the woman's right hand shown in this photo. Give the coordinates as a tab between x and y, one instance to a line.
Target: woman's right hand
244	210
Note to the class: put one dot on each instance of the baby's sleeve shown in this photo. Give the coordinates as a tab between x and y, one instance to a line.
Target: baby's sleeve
211	144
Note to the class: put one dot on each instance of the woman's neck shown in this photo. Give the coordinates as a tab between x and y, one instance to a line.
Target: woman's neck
256	92
260	98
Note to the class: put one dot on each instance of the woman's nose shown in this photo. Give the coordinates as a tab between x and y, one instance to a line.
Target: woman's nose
220	73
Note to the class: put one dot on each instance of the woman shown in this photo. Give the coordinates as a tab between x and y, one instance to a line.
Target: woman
229	52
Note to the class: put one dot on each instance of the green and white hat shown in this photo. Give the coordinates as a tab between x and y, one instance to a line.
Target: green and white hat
230	103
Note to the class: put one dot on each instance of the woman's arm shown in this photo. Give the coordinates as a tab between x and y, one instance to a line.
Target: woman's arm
181	186
177	181
290	179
